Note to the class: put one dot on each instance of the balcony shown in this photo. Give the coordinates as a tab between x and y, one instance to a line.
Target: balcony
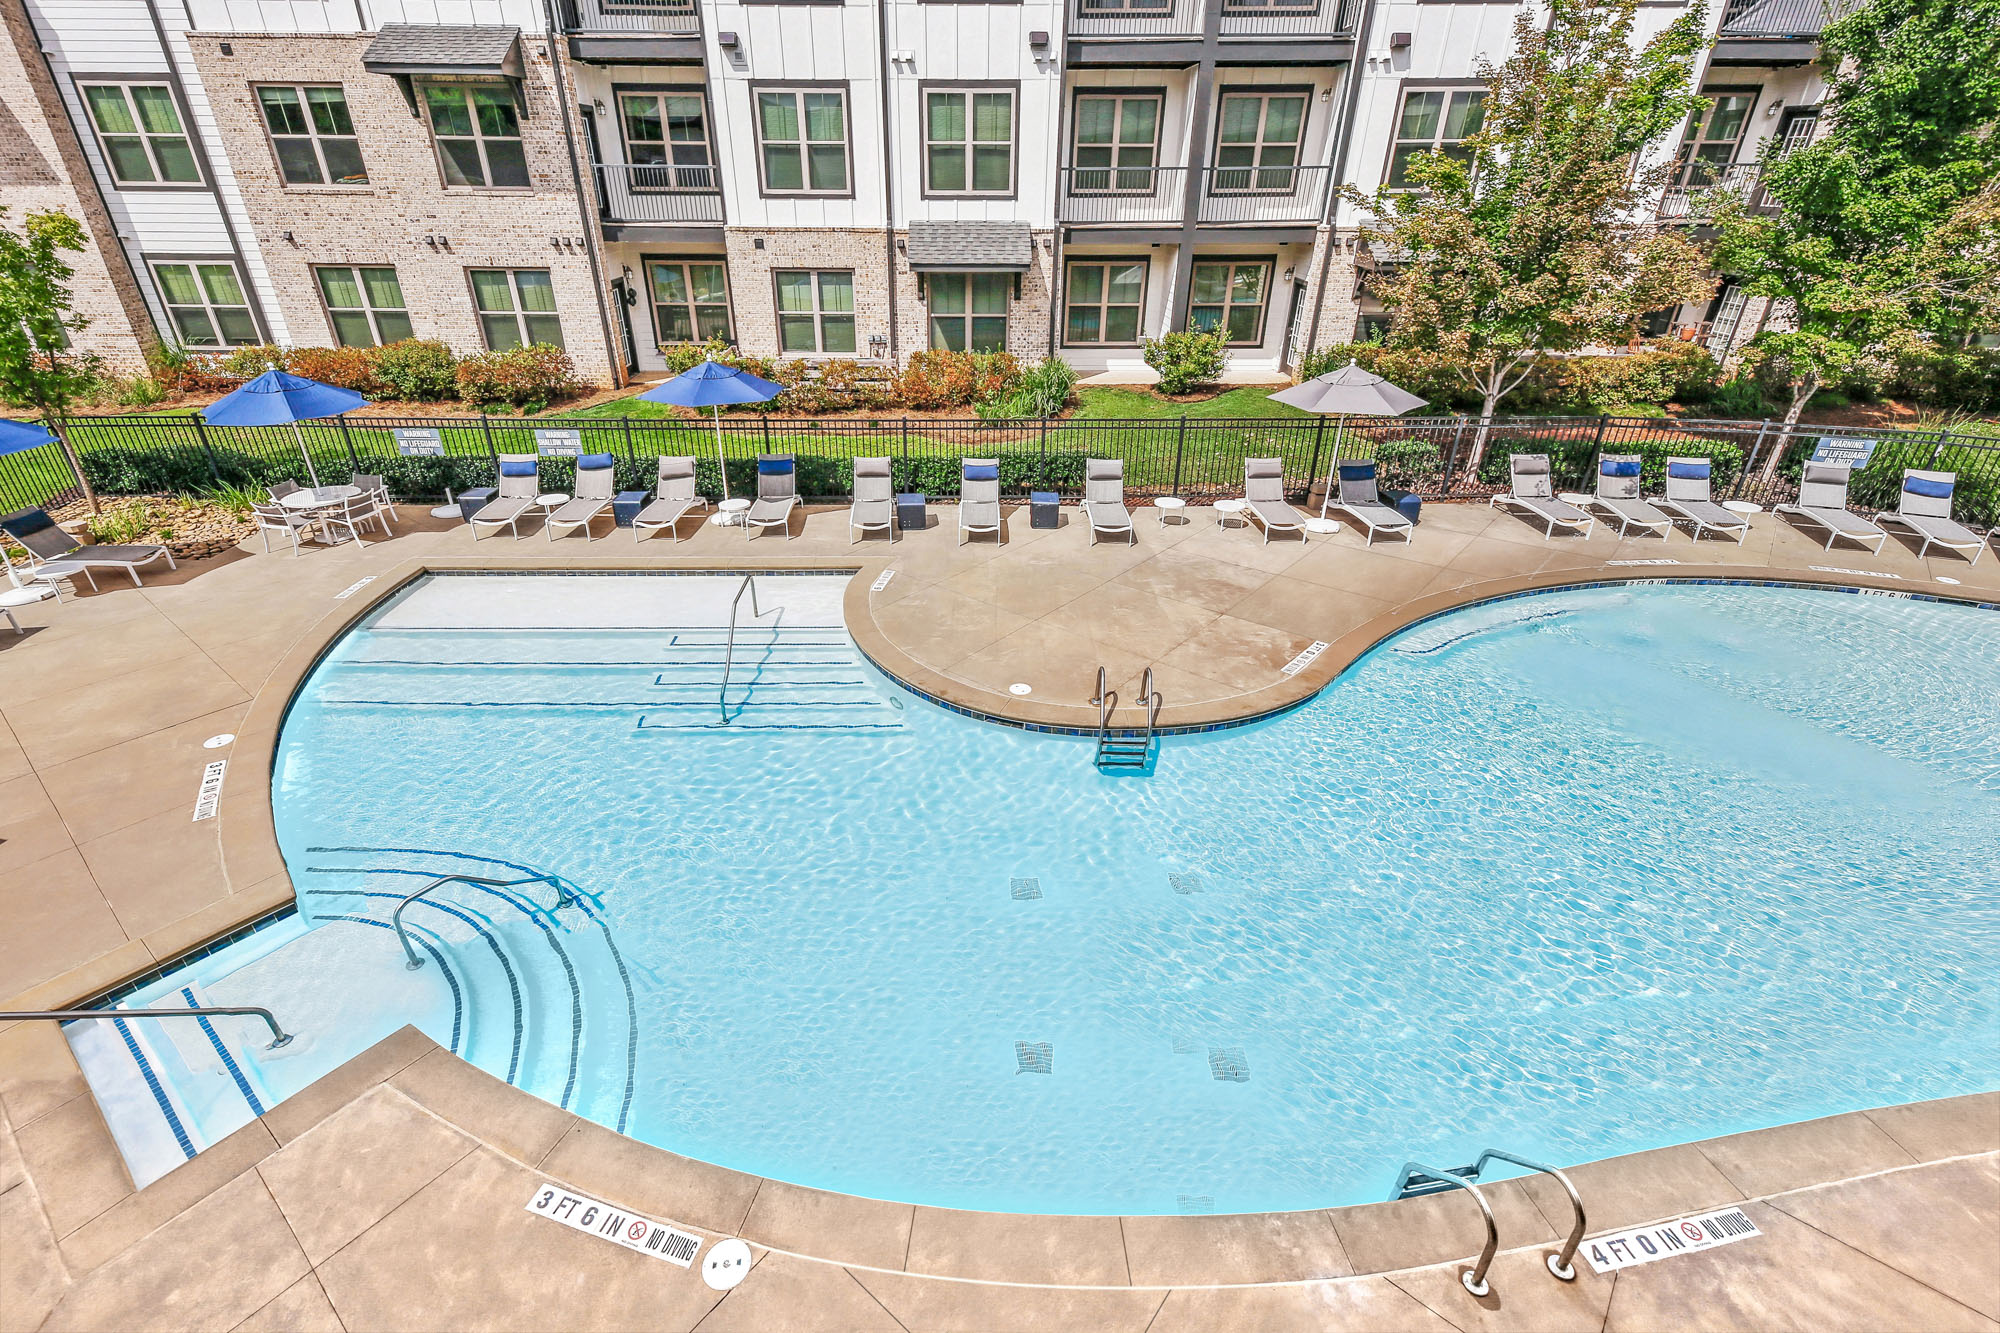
1693	197
1231	197
1122	32
633	31
660	203
1774	32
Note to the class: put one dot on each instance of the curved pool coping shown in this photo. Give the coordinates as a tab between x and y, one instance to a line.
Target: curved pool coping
1063	1250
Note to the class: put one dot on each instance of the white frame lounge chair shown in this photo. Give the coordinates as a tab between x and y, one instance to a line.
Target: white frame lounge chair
516	497
1687	499
1924	510
979	498
777	495
1530	495
53	554
1617	498
673	501
272	518
1264	498
596	482
874	506
1361	501
1823	500
1104	499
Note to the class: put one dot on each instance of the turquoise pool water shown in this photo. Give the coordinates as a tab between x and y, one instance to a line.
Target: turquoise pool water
1576	874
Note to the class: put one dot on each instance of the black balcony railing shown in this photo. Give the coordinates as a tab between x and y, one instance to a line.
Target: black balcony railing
1239	18
1150	196
660	194
1131	195
1695	192
1772	19
661	18
1271	195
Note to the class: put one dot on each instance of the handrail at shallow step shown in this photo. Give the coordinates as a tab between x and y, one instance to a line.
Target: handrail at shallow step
279	1037
396	918
1474	1278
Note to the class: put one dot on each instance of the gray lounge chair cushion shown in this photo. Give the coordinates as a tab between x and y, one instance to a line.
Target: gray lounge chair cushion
1104	495
580	510
1264	492
768	512
676	493
1553	511
1360	499
106	556
1277	514
1824	486
1530	476
1943	531
664	512
1707	513
871	513
1634	512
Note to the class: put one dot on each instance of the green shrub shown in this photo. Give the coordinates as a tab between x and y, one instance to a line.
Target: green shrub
529	378
140	391
121	525
247	363
1922	371
1665	371
1187	360
417	370
1573	460
181	369
234	498
1739	397
1425	374
1043	390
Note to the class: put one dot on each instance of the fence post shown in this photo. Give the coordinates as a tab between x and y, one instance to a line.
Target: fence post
1756	448
906	439
1042	463
1180	449
1319	438
767	432
347	438
486	429
201	434
1451	466
631	456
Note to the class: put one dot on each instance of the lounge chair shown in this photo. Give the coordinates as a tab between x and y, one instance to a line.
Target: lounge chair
1617	499
1360	501
276	518
1924	510
979	497
1104	499
777	495
672	502
1264	498
1529	495
1823	500
591	496
53	554
1686	499
874	507
520	483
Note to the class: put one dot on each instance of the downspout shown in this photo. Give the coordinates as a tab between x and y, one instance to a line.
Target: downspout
888	179
1347	110
1057	294
564	110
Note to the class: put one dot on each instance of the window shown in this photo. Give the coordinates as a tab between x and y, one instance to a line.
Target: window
968	310
802	141
968	142
478	133
140	129
667	130
365	305
1258	140
516	306
206	304
1230	296
815	311
1120	132
1435	120
313	136
1135	7
1104	300
1714	131
690	300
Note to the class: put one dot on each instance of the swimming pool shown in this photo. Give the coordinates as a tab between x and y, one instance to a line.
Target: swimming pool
1576	874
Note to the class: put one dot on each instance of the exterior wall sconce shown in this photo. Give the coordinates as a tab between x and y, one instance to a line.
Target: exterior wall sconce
878	345
438	242
728	41
1399	41
1038	40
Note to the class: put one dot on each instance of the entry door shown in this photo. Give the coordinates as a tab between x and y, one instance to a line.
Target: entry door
1728	313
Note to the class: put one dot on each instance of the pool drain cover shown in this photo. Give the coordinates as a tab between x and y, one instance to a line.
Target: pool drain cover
1185	1046
1228	1064
1195	1203
1185	882
1035	1057
1025	888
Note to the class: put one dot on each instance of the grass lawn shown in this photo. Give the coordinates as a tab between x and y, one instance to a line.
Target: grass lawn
1097	403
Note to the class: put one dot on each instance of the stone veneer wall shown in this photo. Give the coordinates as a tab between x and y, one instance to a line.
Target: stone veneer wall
405	201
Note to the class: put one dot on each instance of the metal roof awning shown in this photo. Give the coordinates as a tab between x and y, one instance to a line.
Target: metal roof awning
994	246
408	51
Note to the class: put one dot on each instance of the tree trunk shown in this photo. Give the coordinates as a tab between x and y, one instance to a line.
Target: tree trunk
75	463
1802	392
1490	399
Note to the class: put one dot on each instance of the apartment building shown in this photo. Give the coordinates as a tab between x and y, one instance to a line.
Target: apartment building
815	178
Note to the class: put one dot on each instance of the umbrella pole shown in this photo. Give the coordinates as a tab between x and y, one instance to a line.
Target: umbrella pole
305	455
1326	496
720	462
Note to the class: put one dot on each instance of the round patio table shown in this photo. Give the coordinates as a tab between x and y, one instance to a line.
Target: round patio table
310	500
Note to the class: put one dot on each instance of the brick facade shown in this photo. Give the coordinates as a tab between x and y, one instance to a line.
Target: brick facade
404	216
1027	313
753	289
1339	310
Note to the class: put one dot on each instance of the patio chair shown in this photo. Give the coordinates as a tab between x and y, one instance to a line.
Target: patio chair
1530	495
1617	499
520	483
1264	498
671	503
979	498
1360	501
777	495
373	484
874	507
590	496
1687	500
1924	511
280	490
272	518
1823	501
54	554
1104	499
354	513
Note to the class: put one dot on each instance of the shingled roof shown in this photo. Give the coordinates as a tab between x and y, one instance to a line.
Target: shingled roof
1004	245
425	48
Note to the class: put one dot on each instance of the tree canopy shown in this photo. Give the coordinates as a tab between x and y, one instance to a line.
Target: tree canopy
37	366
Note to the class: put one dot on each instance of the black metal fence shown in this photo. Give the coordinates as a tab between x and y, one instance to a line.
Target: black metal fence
1193	457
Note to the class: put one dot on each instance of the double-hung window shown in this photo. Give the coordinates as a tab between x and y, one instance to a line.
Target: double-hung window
478	133
516	306
140	129
666	140
815	311
206	304
1103	300
968	310
1230	296
690	300
968	141
1434	120
1259	137
802	140
1712	136
365	305
313	135
1117	143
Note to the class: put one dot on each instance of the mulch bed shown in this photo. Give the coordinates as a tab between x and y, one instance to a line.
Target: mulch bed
191	530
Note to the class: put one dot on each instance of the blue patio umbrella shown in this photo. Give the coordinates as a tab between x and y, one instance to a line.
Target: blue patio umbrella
18	435
712	384
275	397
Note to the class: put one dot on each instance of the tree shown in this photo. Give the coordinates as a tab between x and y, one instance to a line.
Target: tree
38	366
1887	226
1519	241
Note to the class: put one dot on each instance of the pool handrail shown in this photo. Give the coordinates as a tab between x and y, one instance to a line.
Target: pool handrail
1474	1278
1563	1264
279	1037
564	899
729	653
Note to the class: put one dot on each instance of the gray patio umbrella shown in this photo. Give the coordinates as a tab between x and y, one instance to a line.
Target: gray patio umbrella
1347	392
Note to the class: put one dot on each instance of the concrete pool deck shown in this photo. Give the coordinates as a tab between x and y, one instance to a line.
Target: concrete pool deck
103	708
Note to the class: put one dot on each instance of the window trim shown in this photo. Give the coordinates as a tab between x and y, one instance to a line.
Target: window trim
1082	91
150	263
1683	144
367	310
79	82
646	260
423	87
1012	87
619	90
520	314
1270	263
819	332
1304	91
1403	90
1006	316
278	162
841	86
1145	263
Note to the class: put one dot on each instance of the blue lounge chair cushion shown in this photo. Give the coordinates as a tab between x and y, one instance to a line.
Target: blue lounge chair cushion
1356	471
1688	471
1936	490
591	462
774	467
1622	468
983	472
520	468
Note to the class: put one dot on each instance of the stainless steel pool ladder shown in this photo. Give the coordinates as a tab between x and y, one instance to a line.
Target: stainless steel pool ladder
729	653
1419	1180
279	1037
1125	751
563	899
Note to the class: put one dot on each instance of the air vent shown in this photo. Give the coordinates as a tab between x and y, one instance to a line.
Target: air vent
1025	888
1228	1064
1037	1057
